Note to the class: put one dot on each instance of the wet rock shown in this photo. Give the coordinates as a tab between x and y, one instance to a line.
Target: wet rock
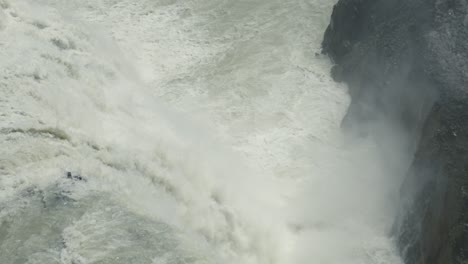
406	65
75	177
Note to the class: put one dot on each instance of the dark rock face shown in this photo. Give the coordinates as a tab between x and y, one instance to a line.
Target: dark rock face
406	64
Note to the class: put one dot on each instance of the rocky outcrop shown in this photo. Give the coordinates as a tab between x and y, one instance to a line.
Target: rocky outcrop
406	65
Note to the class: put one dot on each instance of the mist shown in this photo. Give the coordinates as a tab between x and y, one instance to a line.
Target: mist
206	132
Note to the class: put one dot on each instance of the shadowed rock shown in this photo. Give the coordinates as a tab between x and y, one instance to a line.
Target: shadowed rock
75	177
406	64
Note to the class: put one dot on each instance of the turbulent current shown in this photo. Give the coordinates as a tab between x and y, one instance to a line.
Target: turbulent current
170	131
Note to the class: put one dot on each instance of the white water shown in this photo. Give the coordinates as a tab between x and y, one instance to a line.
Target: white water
207	130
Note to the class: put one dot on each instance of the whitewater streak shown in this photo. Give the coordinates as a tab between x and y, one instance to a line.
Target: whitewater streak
203	132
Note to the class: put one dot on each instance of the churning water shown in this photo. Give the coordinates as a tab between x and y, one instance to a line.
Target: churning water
170	131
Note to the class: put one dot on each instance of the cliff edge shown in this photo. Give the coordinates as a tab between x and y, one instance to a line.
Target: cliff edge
406	65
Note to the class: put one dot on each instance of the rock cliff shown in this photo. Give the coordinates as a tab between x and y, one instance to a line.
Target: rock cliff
406	65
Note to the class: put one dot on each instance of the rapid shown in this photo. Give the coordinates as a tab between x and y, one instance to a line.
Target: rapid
169	131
